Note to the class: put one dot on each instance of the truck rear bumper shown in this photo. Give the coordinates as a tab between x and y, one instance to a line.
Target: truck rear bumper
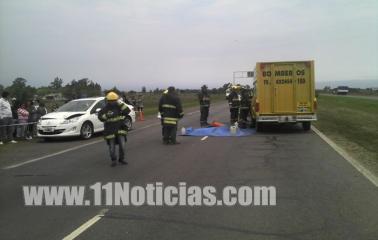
287	118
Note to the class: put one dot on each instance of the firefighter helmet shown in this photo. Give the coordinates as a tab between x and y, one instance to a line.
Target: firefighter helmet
112	96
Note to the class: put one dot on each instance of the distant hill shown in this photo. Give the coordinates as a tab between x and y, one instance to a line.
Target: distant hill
350	83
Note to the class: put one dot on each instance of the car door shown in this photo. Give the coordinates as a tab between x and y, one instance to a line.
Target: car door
97	124
283	88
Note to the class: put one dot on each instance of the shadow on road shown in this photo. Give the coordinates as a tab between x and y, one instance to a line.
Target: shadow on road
66	139
276	128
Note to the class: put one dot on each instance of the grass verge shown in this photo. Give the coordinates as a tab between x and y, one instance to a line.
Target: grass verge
188	100
352	123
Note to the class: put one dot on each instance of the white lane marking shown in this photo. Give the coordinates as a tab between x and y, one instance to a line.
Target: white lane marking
147	126
369	175
86	225
191	113
204	138
76	147
68	150
52	155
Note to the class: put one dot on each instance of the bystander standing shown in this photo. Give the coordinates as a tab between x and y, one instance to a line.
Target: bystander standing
6	119
23	116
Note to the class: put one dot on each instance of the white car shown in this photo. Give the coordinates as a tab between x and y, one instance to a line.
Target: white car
77	118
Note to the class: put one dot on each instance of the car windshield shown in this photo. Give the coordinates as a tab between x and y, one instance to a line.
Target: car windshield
76	106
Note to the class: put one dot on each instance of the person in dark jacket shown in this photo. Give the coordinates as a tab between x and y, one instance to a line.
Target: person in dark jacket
113	115
245	107
14	106
125	98
42	110
234	103
171	111
204	101
165	92
33	115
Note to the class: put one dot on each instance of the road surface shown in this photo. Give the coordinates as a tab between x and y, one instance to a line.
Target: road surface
319	194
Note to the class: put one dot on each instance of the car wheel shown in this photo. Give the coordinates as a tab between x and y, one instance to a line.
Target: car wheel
86	130
128	123
306	126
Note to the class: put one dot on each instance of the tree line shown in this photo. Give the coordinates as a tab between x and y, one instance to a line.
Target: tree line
22	91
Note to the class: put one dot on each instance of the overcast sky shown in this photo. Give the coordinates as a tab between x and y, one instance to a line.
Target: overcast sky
154	43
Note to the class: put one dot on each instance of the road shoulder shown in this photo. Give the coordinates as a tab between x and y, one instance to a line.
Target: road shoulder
356	164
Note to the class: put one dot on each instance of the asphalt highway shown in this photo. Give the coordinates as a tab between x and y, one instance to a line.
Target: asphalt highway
319	194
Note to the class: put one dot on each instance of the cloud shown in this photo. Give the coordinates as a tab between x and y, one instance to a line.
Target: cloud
187	43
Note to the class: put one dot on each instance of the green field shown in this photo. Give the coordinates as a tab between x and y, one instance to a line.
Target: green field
352	123
187	100
151	101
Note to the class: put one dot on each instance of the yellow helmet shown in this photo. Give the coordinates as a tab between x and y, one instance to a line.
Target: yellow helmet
112	96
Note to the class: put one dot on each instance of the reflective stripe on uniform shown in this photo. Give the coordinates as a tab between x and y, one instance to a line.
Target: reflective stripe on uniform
169	122
170	119
168	106
115	119
124	106
109	136
122	132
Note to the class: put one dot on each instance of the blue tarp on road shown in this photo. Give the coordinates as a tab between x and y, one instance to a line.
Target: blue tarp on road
223	131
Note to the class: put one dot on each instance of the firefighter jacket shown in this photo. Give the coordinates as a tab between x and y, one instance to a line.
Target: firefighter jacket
234	100
113	115
204	99
245	102
170	109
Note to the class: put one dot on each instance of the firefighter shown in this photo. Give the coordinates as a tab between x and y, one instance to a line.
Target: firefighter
245	106
113	115
234	103
165	92
204	101
171	111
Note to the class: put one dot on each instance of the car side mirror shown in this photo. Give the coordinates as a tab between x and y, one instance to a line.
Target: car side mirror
96	111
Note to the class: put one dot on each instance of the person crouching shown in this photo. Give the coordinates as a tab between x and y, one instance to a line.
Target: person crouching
113	115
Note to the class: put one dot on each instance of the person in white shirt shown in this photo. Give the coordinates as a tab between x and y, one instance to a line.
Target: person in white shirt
6	119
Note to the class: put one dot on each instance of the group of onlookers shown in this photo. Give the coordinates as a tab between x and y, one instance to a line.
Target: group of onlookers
19	120
136	100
